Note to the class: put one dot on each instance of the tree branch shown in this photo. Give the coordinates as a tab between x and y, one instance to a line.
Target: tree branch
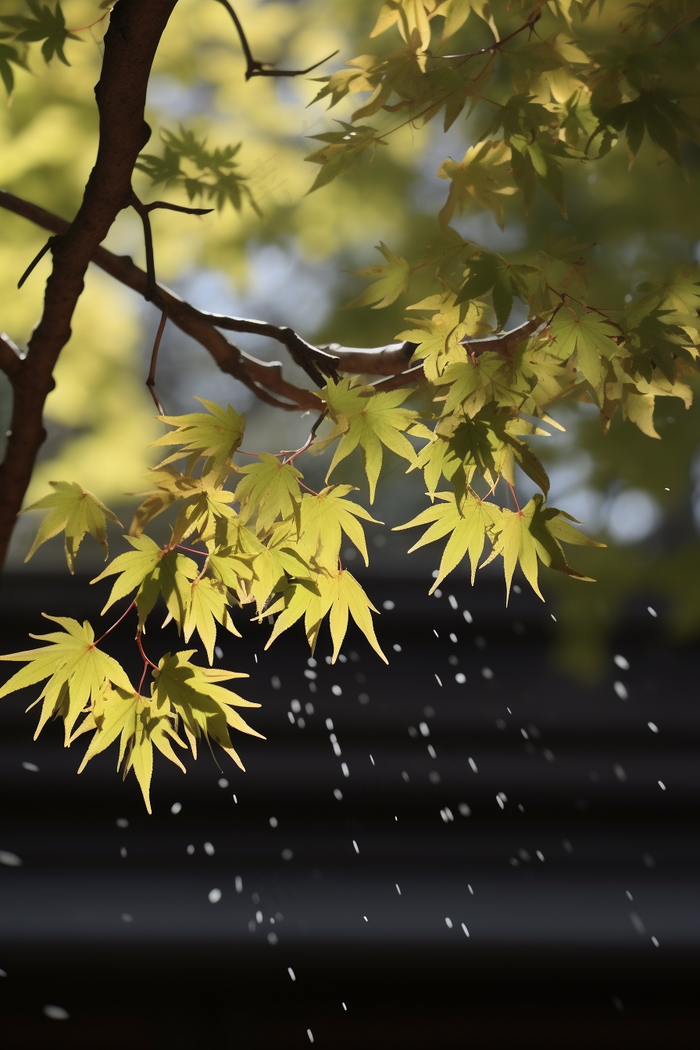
129	47
10	357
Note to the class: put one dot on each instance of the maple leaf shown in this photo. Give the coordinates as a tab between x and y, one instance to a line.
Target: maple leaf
77	670
323	519
206	607
343	150
45	25
151	570
133	718
535	533
388	281
206	709
483	175
271	489
369	419
341	595
467	522
77	511
473	384
588	335
213	437
202	503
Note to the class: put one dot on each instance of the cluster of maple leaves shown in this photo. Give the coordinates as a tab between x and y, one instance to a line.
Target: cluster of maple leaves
246	530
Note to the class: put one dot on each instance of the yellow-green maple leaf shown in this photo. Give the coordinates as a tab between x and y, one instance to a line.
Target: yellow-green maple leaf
151	570
369	419
388	282
206	709
213	437
324	517
133	718
76	511
534	533
340	595
588	335
467	522
207	606
77	670
270	489
483	175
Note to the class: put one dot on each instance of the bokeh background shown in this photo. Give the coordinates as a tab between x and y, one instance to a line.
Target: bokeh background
580	716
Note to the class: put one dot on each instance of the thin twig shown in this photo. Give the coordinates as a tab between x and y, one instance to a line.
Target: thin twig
254	68
36	260
151	381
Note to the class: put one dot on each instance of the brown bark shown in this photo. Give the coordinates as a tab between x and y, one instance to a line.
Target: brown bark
129	48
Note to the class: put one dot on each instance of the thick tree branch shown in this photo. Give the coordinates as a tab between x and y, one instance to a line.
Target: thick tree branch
261	376
129	47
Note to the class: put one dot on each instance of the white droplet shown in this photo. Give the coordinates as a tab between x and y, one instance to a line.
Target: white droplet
453	601
357	848
218	652
329	723
539	854
466	931
336	690
396	647
652	612
621	662
438	680
344	768
424	728
122	851
460	678
398	889
258	916
291	973
3	973
654	728
10	860
122	822
287	854
56	1013
125	917
209	849
662	785
371	758
273	822
486	672
621	690
30	767
337	793
275	682
448	923
464	810
619	772
655	942
214	895
472	766
310	1035
388	605
190	850
176	808
468	616
272	938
